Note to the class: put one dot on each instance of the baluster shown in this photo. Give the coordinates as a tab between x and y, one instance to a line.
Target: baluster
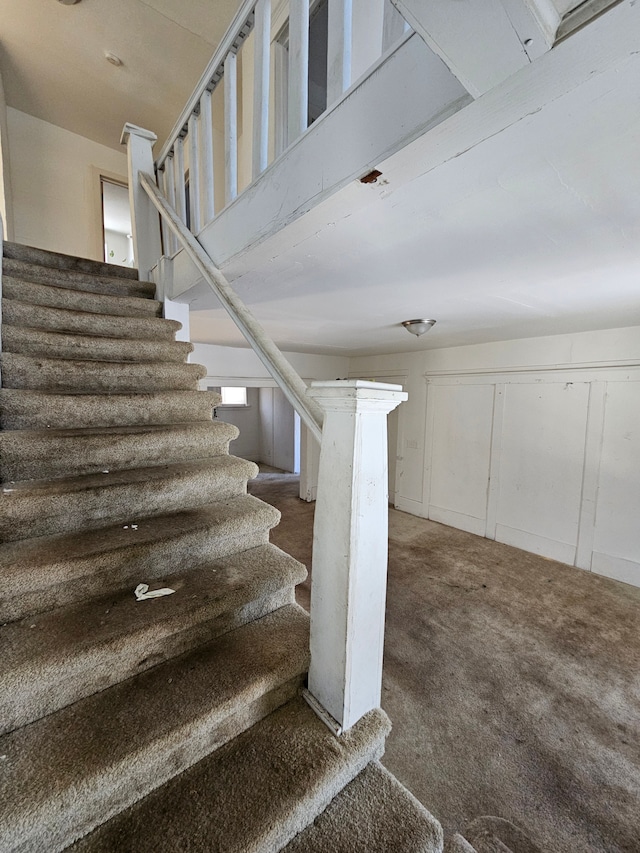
339	49
298	68
166	233
194	174
262	35
171	197
206	158
394	26
178	172
230	127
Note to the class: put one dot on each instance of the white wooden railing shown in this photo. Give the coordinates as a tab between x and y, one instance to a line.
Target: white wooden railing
186	166
348	417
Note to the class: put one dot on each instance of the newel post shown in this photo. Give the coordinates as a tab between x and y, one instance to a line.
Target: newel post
349	567
147	247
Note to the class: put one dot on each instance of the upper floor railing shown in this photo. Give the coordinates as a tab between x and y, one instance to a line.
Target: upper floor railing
276	71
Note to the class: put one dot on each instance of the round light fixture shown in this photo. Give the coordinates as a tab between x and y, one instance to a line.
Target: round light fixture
112	58
418	327
68	2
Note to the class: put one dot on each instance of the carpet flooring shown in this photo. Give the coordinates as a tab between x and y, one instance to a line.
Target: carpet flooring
512	682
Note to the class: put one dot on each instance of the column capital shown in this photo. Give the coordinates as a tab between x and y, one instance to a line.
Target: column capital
133	130
356	395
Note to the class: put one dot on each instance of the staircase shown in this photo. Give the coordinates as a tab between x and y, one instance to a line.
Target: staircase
173	723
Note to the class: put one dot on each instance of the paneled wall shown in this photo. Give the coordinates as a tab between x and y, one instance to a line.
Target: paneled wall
543	455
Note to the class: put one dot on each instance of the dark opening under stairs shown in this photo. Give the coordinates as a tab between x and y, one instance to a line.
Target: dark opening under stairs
173	723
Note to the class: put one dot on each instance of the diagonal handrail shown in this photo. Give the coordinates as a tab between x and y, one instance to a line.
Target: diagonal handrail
292	385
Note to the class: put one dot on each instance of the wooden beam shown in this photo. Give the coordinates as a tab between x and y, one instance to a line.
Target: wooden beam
482	43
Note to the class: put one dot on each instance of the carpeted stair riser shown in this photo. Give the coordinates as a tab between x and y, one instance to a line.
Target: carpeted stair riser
71	280
47	507
68	772
376	812
78	300
40	454
97	377
273	780
37	342
15	313
56	260
53	571
37	410
59	657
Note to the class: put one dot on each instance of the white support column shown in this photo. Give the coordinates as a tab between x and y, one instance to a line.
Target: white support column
206	158
194	174
230	128
144	217
261	66
339	49
298	97
178	175
349	567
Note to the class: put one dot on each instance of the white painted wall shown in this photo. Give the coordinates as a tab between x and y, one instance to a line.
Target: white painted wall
6	195
534	442
236	366
277	429
241	366
55	177
247	419
121	246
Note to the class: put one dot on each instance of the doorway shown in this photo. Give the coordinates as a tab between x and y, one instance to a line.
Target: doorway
116	223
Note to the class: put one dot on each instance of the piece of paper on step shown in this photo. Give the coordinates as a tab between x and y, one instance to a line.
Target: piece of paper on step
141	592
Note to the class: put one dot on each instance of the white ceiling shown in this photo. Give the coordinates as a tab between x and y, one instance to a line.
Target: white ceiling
52	60
533	231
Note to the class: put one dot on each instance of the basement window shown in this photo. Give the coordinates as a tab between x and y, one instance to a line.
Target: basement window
233	396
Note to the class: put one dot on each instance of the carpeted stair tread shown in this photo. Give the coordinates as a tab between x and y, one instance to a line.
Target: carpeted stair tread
373	813
45	507
55	658
458	844
95	377
253	795
48	296
52	571
68	772
16	313
57	260
39	454
108	285
39	342
38	410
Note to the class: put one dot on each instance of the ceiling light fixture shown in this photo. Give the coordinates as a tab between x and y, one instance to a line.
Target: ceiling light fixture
113	59
418	327
68	2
